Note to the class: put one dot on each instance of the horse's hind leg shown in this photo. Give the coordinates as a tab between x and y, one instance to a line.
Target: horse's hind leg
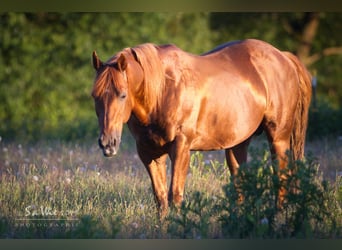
237	155
279	141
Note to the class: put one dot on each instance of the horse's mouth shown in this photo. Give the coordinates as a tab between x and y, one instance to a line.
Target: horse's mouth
109	151
109	147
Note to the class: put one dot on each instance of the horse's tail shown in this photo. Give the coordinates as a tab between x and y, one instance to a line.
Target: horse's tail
298	134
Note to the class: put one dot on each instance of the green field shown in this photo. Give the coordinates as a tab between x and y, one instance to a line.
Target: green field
60	190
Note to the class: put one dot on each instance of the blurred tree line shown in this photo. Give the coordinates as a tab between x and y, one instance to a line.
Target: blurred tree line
45	59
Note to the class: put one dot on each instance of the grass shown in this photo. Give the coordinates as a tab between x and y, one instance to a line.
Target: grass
59	190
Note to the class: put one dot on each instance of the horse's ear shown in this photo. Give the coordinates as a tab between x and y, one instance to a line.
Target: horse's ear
122	63
96	61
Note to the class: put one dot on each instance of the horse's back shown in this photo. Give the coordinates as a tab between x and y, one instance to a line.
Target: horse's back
222	46
241	44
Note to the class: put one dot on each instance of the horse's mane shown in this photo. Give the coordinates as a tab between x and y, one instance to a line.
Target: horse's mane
150	90
154	76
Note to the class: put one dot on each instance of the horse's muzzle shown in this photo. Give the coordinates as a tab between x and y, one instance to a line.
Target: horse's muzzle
109	146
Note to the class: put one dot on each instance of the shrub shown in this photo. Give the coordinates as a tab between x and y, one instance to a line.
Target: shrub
193	220
310	209
324	120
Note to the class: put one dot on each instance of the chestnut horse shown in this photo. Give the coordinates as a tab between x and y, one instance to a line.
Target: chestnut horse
175	102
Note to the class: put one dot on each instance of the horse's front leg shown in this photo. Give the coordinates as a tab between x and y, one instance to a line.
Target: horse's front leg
156	168
180	159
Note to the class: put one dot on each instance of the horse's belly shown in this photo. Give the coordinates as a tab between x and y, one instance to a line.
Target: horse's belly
207	143
221	132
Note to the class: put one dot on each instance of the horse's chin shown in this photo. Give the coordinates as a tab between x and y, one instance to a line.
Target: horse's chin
109	152
108	155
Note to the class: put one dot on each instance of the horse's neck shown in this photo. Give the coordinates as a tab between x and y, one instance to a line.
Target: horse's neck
141	112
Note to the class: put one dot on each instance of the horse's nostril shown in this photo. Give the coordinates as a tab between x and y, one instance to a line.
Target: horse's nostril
102	142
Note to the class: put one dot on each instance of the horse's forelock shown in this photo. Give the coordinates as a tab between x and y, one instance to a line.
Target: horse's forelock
107	81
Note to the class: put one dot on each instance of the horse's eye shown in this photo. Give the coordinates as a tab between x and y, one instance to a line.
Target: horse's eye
123	95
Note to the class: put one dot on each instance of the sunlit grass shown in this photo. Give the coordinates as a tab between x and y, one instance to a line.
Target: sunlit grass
56	190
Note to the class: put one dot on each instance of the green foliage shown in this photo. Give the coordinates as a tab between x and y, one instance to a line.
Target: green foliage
324	120
328	68
310	209
256	184
45	69
312	206
89	227
43	80
192	221
45	59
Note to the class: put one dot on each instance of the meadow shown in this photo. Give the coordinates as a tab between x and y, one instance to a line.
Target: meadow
69	190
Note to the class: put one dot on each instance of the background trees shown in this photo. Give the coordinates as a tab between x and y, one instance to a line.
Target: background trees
46	74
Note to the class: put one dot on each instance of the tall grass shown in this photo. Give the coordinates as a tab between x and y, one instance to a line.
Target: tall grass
56	190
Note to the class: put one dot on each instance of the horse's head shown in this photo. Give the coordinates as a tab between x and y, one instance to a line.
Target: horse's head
112	92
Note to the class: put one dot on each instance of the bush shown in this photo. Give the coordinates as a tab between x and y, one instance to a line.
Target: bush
193	219
311	208
324	120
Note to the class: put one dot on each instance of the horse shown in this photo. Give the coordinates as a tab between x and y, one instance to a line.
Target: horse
175	102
